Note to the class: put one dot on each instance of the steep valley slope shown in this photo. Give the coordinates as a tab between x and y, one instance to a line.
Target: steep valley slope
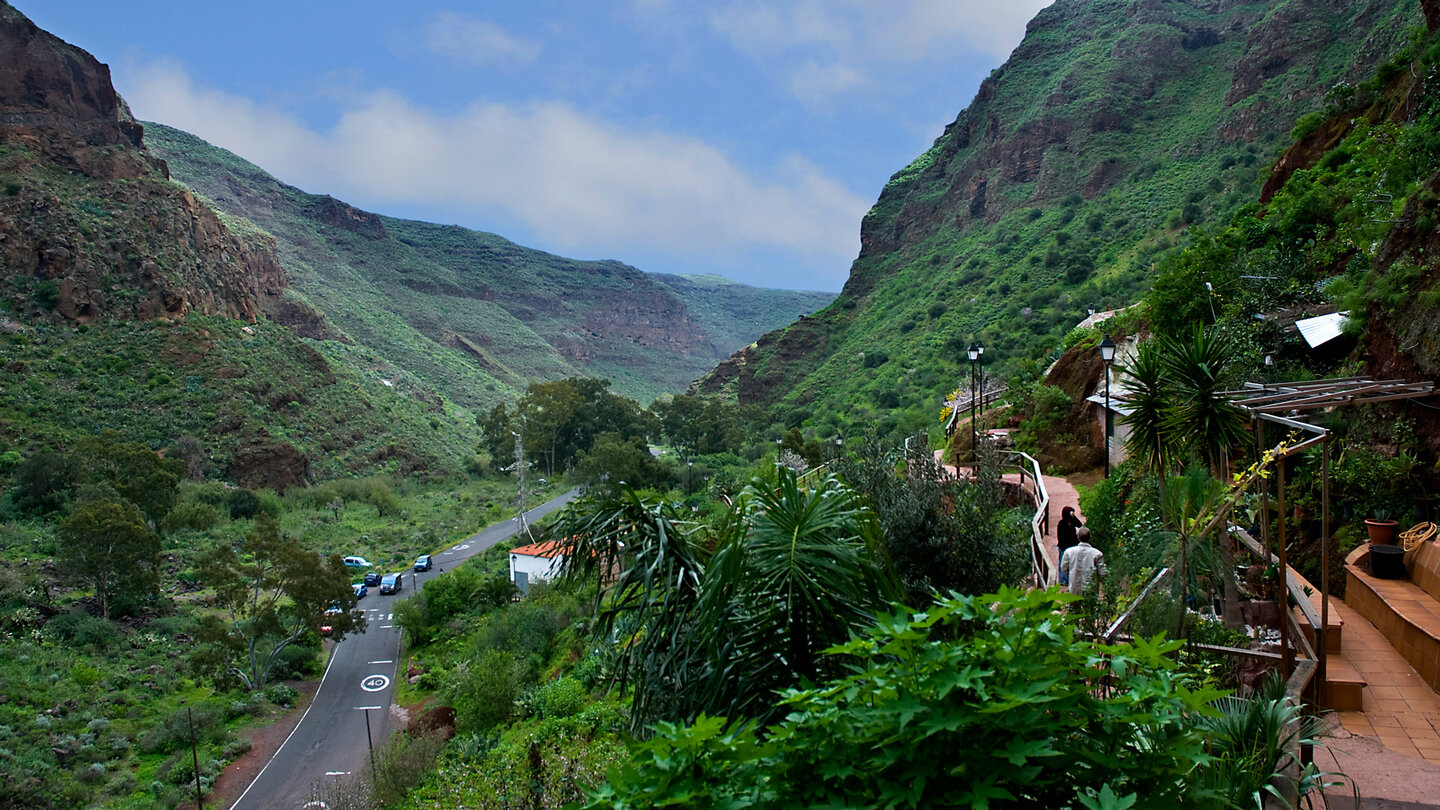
1114	127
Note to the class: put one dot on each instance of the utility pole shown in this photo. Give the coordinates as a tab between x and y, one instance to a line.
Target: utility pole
520	525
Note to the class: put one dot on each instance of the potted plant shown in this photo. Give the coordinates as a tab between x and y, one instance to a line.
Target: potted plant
1382	528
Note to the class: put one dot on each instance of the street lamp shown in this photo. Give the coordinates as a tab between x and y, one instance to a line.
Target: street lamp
979	398
974	354
1107	354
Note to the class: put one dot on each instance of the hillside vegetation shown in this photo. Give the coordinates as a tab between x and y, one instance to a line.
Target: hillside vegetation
475	315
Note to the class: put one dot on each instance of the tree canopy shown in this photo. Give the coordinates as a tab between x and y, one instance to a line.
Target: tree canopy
107	544
271	591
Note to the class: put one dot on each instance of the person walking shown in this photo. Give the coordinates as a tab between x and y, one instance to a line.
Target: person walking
1065	531
1081	562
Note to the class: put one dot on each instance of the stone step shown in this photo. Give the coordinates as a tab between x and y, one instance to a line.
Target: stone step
1343	684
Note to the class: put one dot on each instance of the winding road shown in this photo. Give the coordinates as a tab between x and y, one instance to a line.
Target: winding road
357	689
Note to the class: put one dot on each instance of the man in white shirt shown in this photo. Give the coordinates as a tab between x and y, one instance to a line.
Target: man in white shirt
1080	562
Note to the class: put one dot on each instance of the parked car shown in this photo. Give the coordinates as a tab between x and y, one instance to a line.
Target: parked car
392	583
360	590
326	628
422	563
358	562
372	579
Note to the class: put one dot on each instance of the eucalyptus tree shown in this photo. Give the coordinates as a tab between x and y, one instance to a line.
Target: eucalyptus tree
270	592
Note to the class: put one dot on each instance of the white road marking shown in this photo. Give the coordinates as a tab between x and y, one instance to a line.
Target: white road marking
386	626
381	662
374	683
337	773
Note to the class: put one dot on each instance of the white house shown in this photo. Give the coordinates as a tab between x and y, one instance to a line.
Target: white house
537	562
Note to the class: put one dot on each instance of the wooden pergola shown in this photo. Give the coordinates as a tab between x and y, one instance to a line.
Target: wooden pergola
1285	404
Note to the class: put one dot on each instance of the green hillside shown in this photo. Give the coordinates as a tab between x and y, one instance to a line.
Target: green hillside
1114	127
472	314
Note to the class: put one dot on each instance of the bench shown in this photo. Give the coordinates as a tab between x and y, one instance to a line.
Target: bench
1406	612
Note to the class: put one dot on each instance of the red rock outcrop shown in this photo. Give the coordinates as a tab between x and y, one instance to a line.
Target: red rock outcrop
90	226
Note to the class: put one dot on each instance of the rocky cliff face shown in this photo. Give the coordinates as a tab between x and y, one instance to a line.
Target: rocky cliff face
90	226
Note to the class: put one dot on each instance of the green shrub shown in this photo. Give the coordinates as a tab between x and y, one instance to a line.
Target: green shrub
243	504
281	695
523	630
196	516
561	698
81	628
296	661
485	689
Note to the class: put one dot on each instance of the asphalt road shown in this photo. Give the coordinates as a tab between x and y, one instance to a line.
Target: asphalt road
330	740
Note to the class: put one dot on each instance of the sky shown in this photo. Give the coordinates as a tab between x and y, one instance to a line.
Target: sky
745	138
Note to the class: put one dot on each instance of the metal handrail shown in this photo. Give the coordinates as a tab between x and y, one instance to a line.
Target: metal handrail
1042	567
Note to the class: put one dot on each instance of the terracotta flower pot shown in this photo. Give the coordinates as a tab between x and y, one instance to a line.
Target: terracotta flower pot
1382	532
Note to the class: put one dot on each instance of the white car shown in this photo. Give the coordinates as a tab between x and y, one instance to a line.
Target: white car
358	562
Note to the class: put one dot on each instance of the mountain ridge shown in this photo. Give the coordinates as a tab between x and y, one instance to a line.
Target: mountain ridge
552	316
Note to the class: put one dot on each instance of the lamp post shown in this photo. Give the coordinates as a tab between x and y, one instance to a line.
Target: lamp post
979	399
974	354
1107	354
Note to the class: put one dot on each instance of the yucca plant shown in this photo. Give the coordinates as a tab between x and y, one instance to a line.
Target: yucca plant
797	567
1251	743
1198	369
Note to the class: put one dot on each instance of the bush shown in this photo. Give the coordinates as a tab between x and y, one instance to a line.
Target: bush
561	698
524	631
81	628
282	695
243	504
296	661
197	516
484	691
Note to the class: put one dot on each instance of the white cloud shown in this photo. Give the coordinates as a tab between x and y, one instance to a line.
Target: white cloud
855	37
467	40
576	181
814	83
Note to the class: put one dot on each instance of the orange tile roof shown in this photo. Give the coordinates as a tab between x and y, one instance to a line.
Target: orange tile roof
548	548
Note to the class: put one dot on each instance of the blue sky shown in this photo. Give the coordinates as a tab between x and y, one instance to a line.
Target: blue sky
739	137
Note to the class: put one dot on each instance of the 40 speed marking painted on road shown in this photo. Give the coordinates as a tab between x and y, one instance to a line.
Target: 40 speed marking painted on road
460	547
374	683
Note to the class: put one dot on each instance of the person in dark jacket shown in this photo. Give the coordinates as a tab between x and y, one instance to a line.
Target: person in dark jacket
1065	532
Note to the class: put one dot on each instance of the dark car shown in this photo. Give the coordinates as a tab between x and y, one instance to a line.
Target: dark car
372	579
392	583
422	563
